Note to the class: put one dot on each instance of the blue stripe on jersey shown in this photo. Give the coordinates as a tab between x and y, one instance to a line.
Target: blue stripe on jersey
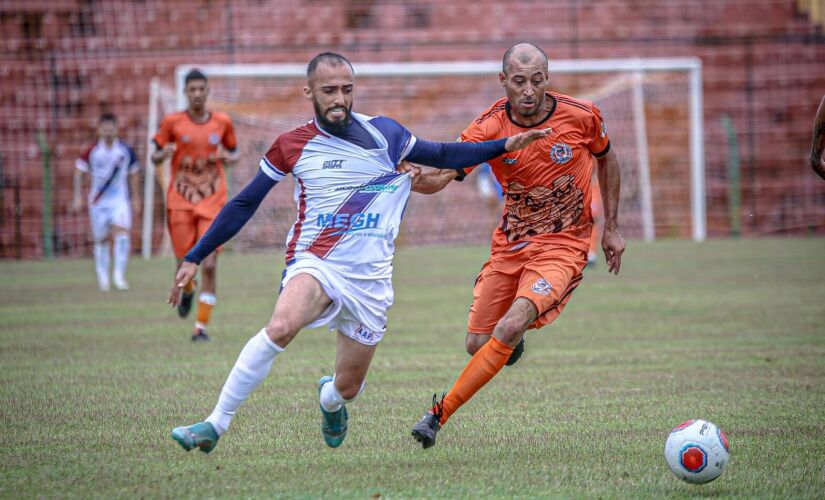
397	136
271	170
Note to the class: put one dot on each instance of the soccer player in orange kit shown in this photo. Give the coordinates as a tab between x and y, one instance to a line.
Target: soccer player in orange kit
540	247
199	142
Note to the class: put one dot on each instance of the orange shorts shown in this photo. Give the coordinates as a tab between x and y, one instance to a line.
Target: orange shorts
544	275
185	229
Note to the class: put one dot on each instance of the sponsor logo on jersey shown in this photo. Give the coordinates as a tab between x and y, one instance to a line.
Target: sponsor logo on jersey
541	287
509	161
561	153
370	188
333	164
214	139
348	223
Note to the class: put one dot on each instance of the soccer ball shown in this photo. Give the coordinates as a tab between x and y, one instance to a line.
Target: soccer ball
697	451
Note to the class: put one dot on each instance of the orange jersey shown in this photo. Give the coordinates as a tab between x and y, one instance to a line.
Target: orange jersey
547	184
198	181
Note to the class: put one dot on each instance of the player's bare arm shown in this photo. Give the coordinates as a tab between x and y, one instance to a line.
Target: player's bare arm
432	180
162	154
818	146
228	158
77	185
134	190
613	243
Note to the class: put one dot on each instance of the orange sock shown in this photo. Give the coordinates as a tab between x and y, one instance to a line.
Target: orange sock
481	368
206	301
189	287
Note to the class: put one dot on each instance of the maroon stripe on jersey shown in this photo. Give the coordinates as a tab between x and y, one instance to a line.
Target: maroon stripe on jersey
88	154
355	203
302	213
498	107
287	148
572	103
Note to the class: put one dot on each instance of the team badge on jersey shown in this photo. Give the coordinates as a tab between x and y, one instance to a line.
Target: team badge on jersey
509	161
214	139
541	287
561	153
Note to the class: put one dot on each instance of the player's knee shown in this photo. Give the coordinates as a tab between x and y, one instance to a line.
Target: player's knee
510	329
280	331
474	342
348	387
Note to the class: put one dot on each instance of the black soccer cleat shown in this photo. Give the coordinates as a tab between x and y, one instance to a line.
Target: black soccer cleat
199	335
185	304
425	430
516	354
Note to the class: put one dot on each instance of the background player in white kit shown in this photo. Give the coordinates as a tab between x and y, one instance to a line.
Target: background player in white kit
112	166
350	201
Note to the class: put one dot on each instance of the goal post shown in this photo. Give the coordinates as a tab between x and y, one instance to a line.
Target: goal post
636	73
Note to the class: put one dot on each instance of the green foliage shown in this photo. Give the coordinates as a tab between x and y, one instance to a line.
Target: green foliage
729	331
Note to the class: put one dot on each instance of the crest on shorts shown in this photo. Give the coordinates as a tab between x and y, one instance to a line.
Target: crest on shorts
364	334
561	153
541	287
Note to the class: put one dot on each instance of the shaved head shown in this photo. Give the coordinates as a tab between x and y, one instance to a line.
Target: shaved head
330	58
524	53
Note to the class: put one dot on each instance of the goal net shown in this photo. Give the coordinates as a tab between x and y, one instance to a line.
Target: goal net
652	108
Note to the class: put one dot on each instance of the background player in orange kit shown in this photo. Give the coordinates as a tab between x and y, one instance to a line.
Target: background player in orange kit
540	247
199	142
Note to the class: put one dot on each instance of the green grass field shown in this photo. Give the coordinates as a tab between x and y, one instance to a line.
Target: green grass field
728	331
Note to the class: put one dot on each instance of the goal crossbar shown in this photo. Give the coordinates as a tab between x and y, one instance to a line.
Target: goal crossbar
691	65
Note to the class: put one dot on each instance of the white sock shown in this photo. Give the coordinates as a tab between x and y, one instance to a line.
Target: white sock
250	369
123	248
102	264
331	400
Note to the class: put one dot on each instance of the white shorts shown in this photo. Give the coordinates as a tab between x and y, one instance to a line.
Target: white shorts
359	307
104	216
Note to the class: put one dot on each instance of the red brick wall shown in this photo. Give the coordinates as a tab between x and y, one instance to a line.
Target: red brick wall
63	62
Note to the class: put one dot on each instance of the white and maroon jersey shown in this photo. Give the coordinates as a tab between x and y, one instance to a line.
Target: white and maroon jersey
109	168
350	199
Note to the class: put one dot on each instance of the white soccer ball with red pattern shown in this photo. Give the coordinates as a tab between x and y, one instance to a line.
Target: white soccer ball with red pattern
697	451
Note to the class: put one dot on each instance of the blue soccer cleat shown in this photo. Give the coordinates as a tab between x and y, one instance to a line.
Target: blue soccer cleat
201	435
333	423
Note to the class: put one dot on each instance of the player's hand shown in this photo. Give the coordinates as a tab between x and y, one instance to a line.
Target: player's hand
613	245
186	272
406	167
168	151
524	139
77	204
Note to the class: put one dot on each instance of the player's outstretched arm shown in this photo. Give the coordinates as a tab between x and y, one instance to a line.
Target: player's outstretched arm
458	155
232	217
610	183
818	146
427	180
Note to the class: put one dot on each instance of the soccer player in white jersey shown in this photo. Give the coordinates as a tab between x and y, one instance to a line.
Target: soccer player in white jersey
350	201
112	166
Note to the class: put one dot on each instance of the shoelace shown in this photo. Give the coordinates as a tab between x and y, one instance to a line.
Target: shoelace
438	406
